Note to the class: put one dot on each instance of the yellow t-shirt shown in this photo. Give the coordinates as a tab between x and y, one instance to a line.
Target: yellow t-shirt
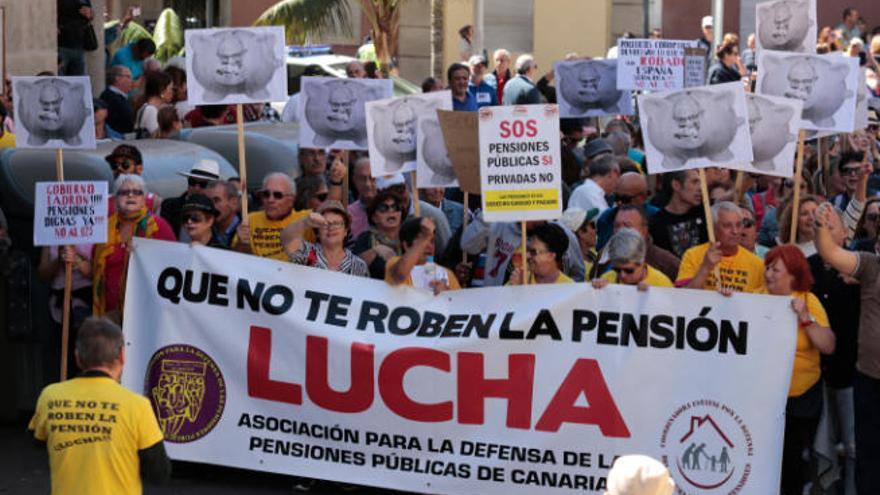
93	428
561	279
654	278
453	282
743	271
7	140
266	234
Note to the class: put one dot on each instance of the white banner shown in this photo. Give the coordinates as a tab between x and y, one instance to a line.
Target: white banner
68	213
264	365
652	64
520	164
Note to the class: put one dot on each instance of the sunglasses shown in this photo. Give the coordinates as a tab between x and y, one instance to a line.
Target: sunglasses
194	218
129	192
850	171
629	271
386	207
266	194
197	183
748	223
124	164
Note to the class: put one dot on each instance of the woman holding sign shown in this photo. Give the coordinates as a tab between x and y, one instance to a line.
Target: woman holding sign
788	274
131	219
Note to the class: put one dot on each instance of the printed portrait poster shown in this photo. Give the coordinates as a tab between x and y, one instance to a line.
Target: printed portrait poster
696	128
653	65
774	123
433	162
70	213
786	26
332	111
826	84
588	88
54	112
235	65
520	165
392	132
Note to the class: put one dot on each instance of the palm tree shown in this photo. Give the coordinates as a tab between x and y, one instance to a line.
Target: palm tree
303	18
437	39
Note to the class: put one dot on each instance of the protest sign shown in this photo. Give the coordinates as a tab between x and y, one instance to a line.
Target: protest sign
433	164
694	67
53	112
324	375
655	65
235	65
773	126
825	83
72	212
392	126
588	88
462	140
332	111
696	128
786	25
520	165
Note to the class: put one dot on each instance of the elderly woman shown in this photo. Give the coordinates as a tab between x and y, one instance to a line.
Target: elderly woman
546	245
199	217
626	251
131	219
788	274
332	223
381	242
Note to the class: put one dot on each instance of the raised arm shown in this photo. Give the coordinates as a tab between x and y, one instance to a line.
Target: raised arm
842	260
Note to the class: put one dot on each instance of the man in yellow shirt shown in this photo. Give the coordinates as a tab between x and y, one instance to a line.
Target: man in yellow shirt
416	268
260	234
740	270
101	437
627	251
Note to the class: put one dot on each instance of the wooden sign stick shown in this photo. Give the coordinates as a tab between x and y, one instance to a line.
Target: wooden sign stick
464	223
415	195
710	224
68	282
242	166
525	259
796	197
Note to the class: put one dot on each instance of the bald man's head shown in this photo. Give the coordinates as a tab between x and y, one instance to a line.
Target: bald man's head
632	188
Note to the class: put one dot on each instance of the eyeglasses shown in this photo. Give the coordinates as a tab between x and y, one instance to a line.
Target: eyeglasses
748	223
850	171
386	207
266	194
129	192
194	218
321	196
338	224
197	183
629	271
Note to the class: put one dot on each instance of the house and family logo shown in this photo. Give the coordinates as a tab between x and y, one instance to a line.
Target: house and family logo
708	448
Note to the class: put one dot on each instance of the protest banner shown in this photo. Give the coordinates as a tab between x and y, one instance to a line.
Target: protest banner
461	136
70	213
654	64
696	128
264	365
53	112
392	130
588	88
236	66
827	85
520	167
786	25
332	111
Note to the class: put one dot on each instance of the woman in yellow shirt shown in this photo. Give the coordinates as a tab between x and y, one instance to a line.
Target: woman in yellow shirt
545	247
626	250
787	273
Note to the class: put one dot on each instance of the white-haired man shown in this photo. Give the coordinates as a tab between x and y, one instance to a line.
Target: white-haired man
521	90
499	77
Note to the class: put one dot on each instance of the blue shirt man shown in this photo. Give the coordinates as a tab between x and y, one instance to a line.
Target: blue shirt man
133	55
462	100
484	94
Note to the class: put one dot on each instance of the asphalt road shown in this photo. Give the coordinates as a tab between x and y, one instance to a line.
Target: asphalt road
24	470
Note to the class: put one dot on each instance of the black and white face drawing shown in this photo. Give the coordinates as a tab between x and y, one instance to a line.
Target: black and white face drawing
786	25
393	129
54	112
825	84
588	88
333	112
236	65
434	165
773	125
695	128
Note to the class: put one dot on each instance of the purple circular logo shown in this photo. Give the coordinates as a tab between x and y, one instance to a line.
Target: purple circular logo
187	392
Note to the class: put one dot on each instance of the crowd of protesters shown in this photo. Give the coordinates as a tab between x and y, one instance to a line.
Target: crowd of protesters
620	225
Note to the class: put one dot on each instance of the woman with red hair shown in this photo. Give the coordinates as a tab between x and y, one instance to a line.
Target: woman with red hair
788	274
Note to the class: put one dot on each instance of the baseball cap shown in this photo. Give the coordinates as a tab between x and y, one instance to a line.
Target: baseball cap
574	217
708	21
596	147
199	202
124	151
477	60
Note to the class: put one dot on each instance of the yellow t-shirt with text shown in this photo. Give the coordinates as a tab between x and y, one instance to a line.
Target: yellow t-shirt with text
744	271
93	428
654	278
266	234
